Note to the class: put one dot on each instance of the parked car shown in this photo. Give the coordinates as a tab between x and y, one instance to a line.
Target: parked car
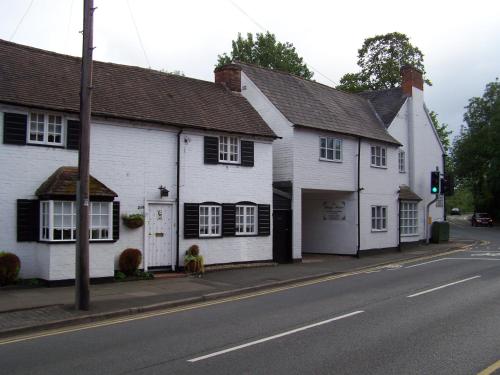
455	211
479	219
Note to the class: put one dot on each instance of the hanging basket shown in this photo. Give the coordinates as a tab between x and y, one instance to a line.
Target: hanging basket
133	221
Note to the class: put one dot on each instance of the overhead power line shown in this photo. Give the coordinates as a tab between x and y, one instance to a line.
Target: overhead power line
264	30
21	20
138	34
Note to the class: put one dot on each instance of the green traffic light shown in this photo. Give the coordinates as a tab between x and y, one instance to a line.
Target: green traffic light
434	190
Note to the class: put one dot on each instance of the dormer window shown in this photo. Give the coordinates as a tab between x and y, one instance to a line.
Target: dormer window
229	149
45	129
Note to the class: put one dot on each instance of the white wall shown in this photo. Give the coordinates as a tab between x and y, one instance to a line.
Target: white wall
321	234
380	188
283	147
133	161
427	154
225	183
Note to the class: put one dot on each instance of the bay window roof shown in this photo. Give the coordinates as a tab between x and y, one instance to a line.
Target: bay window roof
62	185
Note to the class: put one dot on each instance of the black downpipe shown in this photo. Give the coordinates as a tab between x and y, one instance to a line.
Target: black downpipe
444	195
359	195
177	200
399	225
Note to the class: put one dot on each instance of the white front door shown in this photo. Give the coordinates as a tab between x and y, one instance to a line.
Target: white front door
159	235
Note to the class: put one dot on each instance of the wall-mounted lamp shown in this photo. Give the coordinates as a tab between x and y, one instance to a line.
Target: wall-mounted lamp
163	191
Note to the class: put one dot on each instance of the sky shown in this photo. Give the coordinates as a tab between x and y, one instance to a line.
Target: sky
460	39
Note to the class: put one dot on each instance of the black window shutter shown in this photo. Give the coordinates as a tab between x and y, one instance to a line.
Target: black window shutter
211	146
73	135
247	153
116	220
228	219
191	220
264	220
28	218
14	128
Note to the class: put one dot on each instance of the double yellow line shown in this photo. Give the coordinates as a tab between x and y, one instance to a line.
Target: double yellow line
193	306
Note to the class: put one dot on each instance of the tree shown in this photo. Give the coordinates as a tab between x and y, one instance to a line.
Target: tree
265	51
380	59
476	155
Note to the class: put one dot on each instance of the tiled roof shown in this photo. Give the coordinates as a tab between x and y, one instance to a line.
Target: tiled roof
386	102
62	183
406	194
311	104
37	78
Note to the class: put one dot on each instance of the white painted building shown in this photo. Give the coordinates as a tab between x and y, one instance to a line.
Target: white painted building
341	164
200	142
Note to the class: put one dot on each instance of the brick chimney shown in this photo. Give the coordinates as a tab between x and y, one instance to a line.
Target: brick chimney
411	77
229	76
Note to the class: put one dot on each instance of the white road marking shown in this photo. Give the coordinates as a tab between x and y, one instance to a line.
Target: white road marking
473	259
485	254
442	286
273	337
431	261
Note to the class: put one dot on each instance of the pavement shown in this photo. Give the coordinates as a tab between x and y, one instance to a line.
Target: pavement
24	310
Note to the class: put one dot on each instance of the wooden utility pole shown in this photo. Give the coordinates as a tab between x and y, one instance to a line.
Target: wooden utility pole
82	289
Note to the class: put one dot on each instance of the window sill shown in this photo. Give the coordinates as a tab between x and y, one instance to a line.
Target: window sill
331	161
229	162
44	145
74	242
247	235
409	235
378	230
378	166
208	237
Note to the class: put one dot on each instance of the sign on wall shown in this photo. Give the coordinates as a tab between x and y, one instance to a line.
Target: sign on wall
333	210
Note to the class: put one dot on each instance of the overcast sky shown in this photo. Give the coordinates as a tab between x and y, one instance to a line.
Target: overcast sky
460	39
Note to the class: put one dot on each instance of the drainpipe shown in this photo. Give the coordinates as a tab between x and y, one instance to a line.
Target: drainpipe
399	225
427	218
444	196
177	200
359	195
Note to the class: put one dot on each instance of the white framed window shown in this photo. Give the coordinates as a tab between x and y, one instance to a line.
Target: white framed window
101	220
246	219
408	220
379	218
44	221
45	129
229	149
58	221
378	156
402	161
330	149
210	221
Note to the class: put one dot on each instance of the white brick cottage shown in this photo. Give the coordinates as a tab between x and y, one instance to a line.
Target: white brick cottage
356	182
205	146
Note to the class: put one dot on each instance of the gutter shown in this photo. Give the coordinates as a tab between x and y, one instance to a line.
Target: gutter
177	200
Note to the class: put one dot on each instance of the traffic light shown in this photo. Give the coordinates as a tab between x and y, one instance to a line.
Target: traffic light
435	181
447	185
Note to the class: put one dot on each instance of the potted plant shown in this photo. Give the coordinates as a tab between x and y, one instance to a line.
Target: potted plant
133	221
193	261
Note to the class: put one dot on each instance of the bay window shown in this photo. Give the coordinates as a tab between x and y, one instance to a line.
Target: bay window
58	220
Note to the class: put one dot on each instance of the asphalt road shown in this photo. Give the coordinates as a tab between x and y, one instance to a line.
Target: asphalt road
435	316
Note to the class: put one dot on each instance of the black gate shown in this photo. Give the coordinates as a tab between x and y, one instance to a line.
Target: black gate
282	227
